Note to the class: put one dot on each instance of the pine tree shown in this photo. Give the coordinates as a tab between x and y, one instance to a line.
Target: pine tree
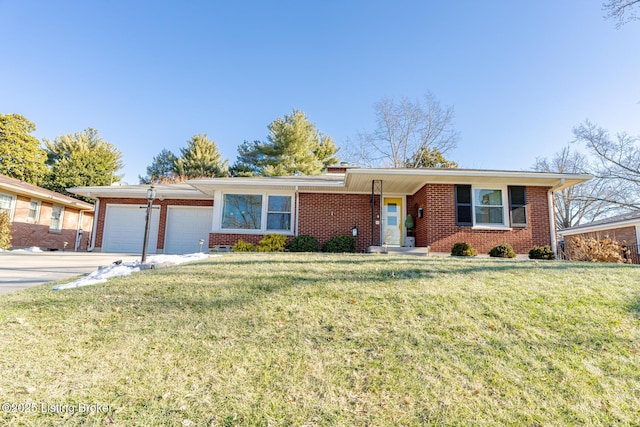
162	169
294	147
200	159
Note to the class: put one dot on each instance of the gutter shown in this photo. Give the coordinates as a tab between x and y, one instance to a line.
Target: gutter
552	215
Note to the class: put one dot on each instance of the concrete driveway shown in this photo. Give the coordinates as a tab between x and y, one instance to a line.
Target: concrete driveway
21	270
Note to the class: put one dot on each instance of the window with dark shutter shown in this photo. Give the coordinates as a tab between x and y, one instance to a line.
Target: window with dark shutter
518	206
463	205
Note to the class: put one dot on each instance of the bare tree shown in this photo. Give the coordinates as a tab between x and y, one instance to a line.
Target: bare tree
405	131
621	10
579	203
618	164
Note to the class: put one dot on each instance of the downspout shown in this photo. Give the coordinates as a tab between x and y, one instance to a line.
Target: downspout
96	211
552	216
78	231
297	201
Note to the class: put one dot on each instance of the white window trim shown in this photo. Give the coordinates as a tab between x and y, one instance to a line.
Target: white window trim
57	230
12	205
505	208
218	209
38	208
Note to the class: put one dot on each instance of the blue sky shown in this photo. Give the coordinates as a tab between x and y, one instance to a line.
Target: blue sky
150	74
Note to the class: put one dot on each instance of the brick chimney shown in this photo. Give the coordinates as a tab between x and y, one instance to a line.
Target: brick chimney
341	169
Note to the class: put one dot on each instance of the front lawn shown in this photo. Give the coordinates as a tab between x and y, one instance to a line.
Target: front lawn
328	340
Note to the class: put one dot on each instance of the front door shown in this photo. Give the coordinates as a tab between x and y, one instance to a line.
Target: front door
392	221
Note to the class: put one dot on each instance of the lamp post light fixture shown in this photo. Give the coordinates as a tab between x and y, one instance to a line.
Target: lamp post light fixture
201	243
151	195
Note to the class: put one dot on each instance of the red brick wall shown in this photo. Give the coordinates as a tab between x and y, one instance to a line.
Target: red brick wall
328	215
27	234
438	226
142	202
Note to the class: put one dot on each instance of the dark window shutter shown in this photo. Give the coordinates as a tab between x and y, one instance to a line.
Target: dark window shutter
463	205
518	206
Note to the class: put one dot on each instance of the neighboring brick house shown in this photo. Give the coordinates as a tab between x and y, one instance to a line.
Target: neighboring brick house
44	218
484	208
624	229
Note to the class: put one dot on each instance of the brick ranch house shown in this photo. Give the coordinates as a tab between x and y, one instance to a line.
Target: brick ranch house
44	218
625	229
484	208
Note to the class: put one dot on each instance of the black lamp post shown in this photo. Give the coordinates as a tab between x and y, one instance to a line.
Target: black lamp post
151	194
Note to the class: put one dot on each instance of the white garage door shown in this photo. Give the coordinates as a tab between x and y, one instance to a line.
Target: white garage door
185	227
124	229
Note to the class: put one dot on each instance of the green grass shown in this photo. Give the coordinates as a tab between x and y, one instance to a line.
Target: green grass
331	340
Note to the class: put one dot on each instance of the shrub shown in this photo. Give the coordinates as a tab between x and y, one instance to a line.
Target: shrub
541	252
272	243
5	231
502	251
463	249
340	244
242	246
590	249
304	243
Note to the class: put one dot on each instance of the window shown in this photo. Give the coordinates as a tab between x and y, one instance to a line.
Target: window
56	218
279	213
256	213
34	211
488	207
242	212
463	205
518	206
6	204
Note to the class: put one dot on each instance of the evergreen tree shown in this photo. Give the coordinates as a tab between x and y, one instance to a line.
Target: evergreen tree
162	169
430	158
294	147
81	159
200	159
20	154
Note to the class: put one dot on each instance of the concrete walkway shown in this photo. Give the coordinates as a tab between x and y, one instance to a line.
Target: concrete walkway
21	270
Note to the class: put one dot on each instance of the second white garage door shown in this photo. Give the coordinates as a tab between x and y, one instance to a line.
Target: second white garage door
185	227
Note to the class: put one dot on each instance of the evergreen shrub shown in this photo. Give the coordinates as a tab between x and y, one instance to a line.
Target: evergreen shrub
304	243
541	252
340	244
502	251
272	243
463	249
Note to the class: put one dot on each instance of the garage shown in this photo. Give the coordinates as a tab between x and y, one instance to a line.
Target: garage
186	226
124	229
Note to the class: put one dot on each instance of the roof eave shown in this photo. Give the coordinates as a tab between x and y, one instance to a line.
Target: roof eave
60	200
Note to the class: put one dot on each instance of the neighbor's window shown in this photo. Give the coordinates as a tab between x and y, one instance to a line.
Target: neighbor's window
6	201
56	218
242	211
488	206
34	211
279	213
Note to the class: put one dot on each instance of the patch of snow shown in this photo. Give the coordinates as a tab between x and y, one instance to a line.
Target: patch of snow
31	249
125	269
